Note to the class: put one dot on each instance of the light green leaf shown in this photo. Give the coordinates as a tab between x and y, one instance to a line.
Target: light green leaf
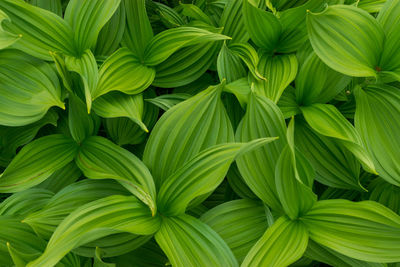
41	31
377	121
279	71
51	5
86	19
95	220
347	39
371	6
281	245
200	175
167	101
123	71
99	158
61	178
138	31
193	11
241	89
328	121
200	121
233	22
229	65
287	103
365	230
98	262
168	42
262	119
188	242
37	161
239	222
263	27
28	88
249	56
6	38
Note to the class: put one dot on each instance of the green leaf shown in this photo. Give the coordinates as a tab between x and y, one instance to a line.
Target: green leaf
385	193
229	65
328	121
189	242
249	56
365	230
263	27
54	6
195	12
61	178
281	245
98	262
167	101
40	30
200	121
377	121
124	72
99	158
87	18
37	161
347	39
233	22
371	6
287	103
168	42
239	222
28	88
95	220
200	175
241	89
279	71
138	31
262	119
6	38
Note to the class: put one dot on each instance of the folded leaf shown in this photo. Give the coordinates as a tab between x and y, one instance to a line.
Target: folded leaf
328	121
200	175
249	56
377	121
54	6
123	71
61	178
281	245
279	71
229	65
86	19
41	31
233	22
167	101
167	149
99	158
347	39
95	220
167	42
287	103
189	242
6	38
365	230
239	222
28	88
241	89
262	119
385	193
37	161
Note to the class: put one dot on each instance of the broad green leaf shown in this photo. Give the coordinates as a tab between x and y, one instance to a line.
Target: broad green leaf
41	31
233	22
378	123
95	220
263	27
287	103
61	178
28	88
37	161
241	89
86	19
167	42
334	165
262	119
200	121
365	230
46	219
117	104
279	71
54	6
388	17
200	175
124	72
193	11
188	242
249	56
138	32
347	39
385	193
237	183
98	262
371	6
167	101
281	245
229	65
6	38
99	158
328	121
239	222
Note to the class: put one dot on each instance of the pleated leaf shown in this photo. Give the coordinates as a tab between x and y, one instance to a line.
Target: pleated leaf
99	158
37	161
377	121
347	39
95	220
200	121
229	65
281	245
365	230
54	6
233	22
28	88
385	193
61	178
188	242
328	121
6	38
